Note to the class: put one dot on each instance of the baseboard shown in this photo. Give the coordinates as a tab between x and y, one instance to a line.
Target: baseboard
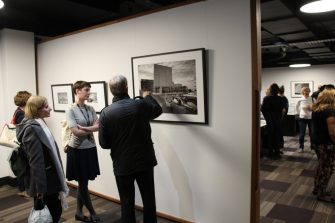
159	214
11	181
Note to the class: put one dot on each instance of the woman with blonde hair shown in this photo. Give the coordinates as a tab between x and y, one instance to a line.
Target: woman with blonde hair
304	110
45	179
323	142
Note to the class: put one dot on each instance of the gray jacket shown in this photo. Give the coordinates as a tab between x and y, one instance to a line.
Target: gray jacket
42	176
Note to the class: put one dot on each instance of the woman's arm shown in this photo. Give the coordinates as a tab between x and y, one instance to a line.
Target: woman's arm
331	127
79	132
92	128
297	107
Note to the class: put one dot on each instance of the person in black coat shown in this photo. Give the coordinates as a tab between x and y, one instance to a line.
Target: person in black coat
124	128
45	178
286	105
273	109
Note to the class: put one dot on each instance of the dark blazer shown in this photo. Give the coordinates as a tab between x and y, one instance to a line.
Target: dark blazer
42	177
125	129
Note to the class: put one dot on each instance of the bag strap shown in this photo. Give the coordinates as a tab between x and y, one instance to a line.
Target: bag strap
13	121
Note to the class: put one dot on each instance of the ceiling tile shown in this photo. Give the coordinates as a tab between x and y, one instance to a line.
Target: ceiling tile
317	50
283	26
274	9
297	36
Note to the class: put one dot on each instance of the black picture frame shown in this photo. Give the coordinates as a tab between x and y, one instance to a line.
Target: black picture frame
98	97
296	87
177	81
62	97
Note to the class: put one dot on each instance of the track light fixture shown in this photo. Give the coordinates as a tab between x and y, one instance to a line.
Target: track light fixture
1	4
318	6
299	65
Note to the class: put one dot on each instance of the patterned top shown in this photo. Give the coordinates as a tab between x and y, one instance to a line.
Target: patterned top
84	116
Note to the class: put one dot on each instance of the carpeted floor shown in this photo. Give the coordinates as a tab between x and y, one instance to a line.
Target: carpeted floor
286	188
286	194
16	209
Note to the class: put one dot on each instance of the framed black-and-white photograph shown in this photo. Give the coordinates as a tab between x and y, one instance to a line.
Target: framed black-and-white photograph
62	97
296	87
98	99
177	81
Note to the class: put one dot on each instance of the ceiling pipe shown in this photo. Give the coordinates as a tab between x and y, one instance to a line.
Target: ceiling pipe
311	42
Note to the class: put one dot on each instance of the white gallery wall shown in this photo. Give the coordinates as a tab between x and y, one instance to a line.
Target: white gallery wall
204	171
319	75
17	73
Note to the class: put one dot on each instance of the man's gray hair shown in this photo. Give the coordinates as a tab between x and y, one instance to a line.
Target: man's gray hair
118	85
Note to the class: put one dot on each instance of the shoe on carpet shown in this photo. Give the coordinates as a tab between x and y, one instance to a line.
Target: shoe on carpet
23	194
326	193
327	199
82	218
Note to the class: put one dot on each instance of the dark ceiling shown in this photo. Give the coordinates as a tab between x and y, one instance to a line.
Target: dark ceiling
50	18
288	36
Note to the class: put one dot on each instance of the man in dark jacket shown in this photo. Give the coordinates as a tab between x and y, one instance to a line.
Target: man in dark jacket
124	128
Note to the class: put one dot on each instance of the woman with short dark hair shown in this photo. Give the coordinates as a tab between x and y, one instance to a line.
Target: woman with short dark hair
82	158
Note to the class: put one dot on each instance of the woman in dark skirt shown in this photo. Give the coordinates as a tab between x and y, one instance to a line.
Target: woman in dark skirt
82	157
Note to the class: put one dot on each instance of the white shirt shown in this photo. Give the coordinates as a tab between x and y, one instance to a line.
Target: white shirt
304	108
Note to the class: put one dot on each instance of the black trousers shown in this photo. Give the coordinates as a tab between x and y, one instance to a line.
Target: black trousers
20	183
54	204
126	188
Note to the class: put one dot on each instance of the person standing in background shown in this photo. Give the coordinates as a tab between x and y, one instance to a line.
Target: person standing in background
315	94
304	110
82	157
273	109
285	101
20	100
323	142
45	178
125	129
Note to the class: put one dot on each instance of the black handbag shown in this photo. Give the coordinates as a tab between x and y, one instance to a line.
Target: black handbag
19	162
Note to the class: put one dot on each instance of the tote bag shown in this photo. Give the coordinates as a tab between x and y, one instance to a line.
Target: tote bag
66	134
8	136
40	213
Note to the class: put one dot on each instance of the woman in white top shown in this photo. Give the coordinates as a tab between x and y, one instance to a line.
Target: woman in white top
304	110
82	157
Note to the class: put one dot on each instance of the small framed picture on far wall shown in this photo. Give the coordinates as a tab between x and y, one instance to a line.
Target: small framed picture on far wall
296	87
62	96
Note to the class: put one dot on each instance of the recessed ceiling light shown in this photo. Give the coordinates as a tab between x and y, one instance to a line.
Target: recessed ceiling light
1	4
300	65
318	6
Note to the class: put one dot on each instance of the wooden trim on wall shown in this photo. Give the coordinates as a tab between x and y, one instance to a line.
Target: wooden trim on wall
125	18
36	67
256	86
140	208
11	181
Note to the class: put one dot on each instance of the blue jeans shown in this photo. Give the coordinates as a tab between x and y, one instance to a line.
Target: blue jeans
302	130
